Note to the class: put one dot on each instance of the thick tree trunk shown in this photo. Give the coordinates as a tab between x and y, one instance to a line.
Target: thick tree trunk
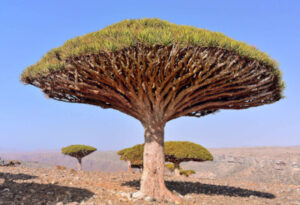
79	164
176	169
152	181
129	167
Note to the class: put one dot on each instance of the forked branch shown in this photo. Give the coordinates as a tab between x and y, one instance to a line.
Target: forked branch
169	80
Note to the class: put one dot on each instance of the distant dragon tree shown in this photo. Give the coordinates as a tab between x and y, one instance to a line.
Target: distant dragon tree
174	152
78	151
156	71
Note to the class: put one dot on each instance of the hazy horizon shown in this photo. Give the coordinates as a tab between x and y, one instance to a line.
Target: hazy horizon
58	150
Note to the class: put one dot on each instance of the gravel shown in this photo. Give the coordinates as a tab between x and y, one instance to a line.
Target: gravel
24	185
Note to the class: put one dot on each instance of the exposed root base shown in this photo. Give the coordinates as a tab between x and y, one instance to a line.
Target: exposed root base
170	197
164	195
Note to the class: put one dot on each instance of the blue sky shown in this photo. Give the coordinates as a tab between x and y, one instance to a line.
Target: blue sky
28	29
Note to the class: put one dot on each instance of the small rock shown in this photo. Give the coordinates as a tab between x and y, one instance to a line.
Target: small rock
138	195
148	198
123	200
280	163
124	194
6	189
32	190
13	163
177	194
59	203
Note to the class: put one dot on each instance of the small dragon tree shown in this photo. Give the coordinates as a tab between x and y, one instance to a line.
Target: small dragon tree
133	155
175	152
156	71
78	151
186	173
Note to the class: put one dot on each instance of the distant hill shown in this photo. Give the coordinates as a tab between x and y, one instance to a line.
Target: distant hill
102	161
267	164
257	164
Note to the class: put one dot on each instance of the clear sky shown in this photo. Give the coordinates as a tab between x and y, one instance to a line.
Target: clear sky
28	29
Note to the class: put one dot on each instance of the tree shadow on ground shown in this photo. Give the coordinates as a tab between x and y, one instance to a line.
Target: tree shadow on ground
198	188
11	177
33	193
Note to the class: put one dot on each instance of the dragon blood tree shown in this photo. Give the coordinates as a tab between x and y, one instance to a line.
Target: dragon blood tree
156	71
174	152
78	151
133	155
177	152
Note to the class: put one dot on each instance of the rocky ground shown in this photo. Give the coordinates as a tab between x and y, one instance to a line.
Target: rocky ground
259	175
256	164
27	185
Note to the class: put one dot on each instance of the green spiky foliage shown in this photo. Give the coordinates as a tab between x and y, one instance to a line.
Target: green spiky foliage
171	167
187	172
175	152
78	151
133	154
148	32
180	151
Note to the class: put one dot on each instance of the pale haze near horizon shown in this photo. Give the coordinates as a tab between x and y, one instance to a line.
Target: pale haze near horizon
29	121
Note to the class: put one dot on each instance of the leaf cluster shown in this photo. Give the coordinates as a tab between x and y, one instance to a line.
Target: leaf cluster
171	166
133	154
188	172
186	151
145	31
78	151
175	151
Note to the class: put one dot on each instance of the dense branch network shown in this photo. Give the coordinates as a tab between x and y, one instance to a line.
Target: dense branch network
80	154
173	159
169	80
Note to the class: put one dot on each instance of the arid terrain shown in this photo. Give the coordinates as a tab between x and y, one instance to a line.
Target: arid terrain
264	175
